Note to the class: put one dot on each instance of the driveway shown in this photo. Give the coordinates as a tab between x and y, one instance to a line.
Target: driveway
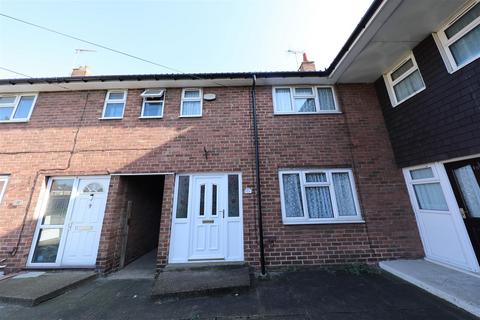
294	295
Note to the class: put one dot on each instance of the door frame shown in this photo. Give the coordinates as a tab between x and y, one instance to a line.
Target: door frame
442	178
41	207
187	221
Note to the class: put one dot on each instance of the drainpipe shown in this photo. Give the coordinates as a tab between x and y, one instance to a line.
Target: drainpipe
257	176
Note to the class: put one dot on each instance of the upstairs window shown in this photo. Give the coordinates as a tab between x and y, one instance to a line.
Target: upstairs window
16	108
404	81
153	101
114	104
460	38
318	196
191	105
293	100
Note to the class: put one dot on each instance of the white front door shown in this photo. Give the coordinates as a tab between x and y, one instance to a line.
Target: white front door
208	213
207	222
68	230
442	230
85	223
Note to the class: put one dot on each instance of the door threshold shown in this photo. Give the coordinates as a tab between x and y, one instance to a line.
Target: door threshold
204	265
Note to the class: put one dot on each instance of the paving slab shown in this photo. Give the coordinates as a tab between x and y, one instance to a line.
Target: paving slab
32	288
459	288
204	280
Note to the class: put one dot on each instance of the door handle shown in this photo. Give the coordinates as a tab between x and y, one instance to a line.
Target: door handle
223	213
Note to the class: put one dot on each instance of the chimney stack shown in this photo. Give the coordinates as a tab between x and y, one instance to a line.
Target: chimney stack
307	65
81	71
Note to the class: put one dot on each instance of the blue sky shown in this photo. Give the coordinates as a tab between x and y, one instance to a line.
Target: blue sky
191	36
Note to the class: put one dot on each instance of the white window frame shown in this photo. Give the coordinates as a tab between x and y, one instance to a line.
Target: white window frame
107	100
329	183
4	188
15	106
146	95
200	98
390	83
315	96
443	43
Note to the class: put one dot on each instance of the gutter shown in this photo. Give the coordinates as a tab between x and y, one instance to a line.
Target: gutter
257	176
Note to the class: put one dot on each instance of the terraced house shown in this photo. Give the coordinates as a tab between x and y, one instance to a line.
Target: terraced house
354	164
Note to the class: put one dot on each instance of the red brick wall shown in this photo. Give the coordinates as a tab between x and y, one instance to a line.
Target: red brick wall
45	145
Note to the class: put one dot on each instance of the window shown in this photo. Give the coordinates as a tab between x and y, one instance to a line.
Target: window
16	108
3	186
428	191
153	101
191	105
182	197
114	104
319	196
294	100
404	81
459	40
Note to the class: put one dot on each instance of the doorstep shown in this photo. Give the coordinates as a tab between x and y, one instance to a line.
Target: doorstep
459	288
180	280
34	287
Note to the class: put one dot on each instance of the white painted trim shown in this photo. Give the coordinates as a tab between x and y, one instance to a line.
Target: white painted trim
143	174
15	106
443	43
41	211
293	96
329	183
390	84
107	100
4	188
183	99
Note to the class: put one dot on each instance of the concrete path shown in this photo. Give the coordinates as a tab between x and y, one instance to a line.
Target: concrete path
323	295
142	268
459	288
34	287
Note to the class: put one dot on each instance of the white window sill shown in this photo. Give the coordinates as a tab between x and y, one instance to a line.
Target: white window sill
305	113
195	116
115	118
155	117
325	221
14	121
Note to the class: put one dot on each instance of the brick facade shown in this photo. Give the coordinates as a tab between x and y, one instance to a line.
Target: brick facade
65	137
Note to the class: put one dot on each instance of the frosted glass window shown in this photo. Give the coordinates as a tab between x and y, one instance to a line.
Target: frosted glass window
57	203
470	190
430	196
182	197
233	196
283	100
424	173
292	195
326	99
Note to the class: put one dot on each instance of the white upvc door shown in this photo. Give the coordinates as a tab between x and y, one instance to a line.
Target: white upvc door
207	222
70	223
85	223
442	230
207	219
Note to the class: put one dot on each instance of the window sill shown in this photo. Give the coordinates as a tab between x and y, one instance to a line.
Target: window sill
156	117
14	121
196	116
116	118
356	221
305	113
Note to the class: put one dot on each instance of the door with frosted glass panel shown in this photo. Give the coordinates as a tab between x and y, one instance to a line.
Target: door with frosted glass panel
465	179
441	228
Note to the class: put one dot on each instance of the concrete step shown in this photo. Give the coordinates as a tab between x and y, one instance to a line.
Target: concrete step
195	280
34	287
